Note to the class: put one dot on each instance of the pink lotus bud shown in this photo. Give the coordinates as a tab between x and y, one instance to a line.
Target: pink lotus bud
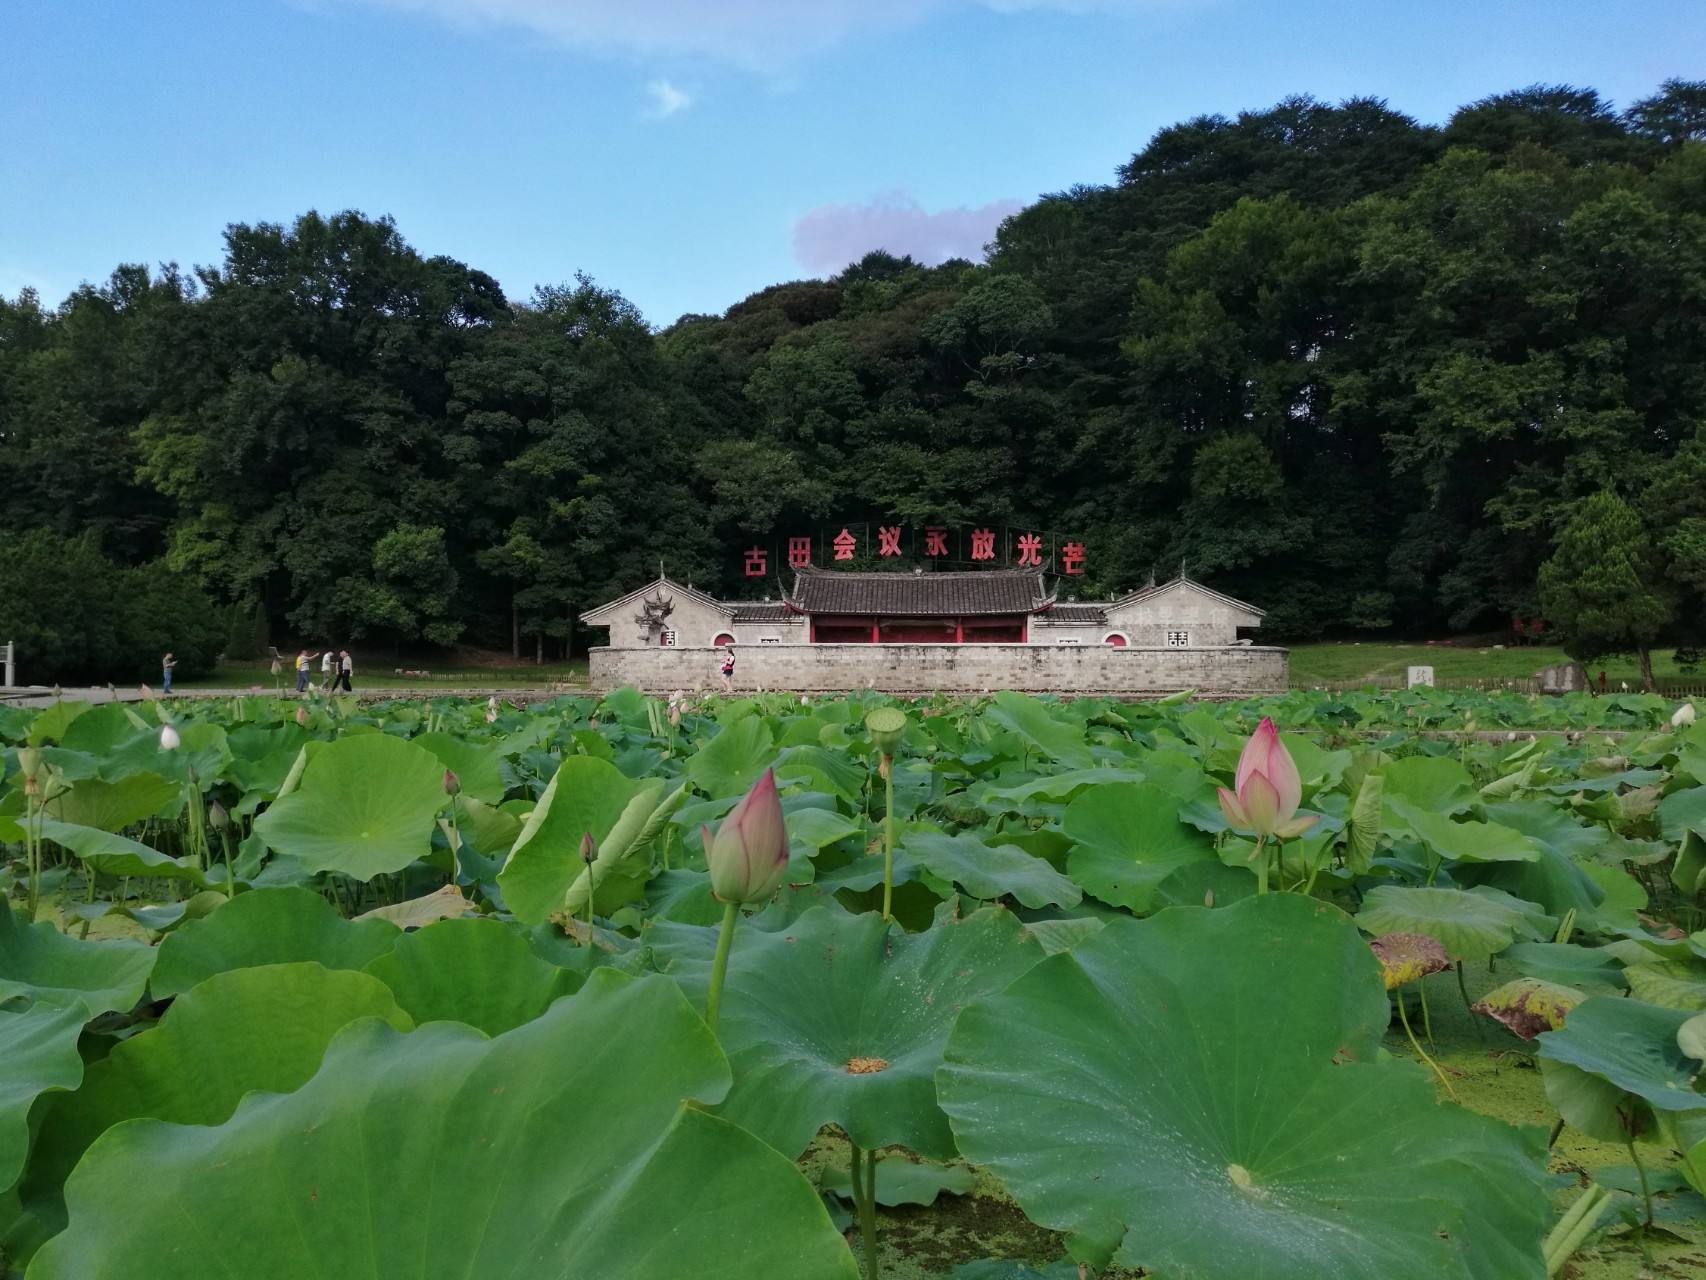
452	784
748	856
169	740
1268	789
589	848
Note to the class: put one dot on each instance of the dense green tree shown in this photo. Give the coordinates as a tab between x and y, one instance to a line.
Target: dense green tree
1604	589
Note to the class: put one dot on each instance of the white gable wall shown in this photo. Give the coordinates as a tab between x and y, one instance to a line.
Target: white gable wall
1210	620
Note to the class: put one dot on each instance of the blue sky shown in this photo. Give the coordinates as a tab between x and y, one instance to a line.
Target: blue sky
688	152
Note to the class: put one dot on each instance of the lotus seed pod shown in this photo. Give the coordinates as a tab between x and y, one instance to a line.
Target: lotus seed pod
887	726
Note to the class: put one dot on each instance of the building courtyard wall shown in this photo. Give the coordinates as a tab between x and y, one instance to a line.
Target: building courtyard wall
919	668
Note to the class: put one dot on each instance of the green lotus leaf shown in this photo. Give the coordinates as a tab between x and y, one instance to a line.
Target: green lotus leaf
485	829
1435	785
585	795
1675	984
51	723
482	972
38	961
267	926
202	749
1199	1094
730	762
1052	786
989	871
1006	1269
1589	968
99	730
113	806
1615	1063
1472	841
1038	732
551	1150
38	1044
903	1181
116	855
475	764
262	1028
1471	924
841	1019
444	903
1129	839
365	806
1682	812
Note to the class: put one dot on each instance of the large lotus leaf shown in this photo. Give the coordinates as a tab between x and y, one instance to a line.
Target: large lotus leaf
117	855
202	749
1589	968
1471	924
1129	839
585	795
113	806
571	1146
992	871
38	1046
901	1180
1611	1050
365	806
267	926
1424	785
1052	786
1553	880
1472	841
841	1019
475	764
38	961
1407	957
1199	1094
99	730
1674	984
482	972
1038	731
730	762
263	1028
1682	812
51	723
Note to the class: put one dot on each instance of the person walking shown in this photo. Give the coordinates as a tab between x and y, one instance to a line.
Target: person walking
167	663
728	668
345	668
304	667
328	671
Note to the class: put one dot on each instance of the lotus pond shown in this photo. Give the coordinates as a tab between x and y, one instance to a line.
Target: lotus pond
1002	989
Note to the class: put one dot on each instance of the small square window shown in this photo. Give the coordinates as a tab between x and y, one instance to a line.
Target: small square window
1178	639
669	639
769	640
1066	642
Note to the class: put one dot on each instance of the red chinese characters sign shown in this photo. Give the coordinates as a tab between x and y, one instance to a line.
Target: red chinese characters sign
983	546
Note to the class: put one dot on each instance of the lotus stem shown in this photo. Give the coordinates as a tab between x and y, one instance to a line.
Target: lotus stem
1427	1017
592	892
1260	858
1641	1172
863	1169
1578	1220
1552	1138
1422	1053
720	965
888	835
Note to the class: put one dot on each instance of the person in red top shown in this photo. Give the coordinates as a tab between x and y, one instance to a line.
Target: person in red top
728	668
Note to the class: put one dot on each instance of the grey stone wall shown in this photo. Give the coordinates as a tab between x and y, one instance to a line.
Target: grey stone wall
972	668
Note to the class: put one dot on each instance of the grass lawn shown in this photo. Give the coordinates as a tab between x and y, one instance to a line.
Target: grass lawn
1347	661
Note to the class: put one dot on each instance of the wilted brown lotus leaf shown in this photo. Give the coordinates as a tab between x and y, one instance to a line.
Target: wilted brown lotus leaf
1407	957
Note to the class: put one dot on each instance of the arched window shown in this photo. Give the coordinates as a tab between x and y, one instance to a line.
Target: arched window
723	638
1115	640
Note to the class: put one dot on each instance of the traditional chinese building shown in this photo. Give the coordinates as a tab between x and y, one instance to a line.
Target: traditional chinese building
1179	634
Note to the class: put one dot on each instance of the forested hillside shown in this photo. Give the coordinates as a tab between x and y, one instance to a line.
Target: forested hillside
1358	369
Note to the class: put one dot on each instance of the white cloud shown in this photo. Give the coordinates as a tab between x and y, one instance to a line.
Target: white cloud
666	99
833	235
756	34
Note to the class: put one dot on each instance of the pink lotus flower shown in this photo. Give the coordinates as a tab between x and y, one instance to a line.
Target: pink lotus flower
748	856
1269	789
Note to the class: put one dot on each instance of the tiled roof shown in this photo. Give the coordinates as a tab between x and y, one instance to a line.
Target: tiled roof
760	611
1078	614
996	591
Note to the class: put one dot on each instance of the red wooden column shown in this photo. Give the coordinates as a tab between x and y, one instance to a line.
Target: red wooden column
875	627
959	630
